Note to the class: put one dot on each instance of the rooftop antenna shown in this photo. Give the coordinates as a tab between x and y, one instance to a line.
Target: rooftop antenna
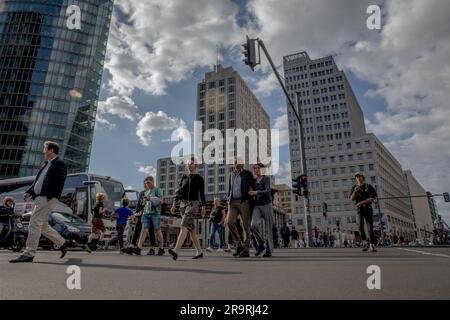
217	58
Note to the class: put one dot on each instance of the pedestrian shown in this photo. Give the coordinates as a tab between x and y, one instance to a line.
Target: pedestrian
151	218
294	236
138	223
285	234
45	190
324	240
6	210
121	215
240	204
191	195
217	221
98	226
345	243
275	236
262	211
364	194
440	226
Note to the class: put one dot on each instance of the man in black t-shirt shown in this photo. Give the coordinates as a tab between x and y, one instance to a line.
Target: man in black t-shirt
364	194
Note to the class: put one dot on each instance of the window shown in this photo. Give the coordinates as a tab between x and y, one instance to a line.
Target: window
371	167
211	85
350	157
336	195
349	145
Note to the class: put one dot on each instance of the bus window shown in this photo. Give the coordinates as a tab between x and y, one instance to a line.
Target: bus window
80	203
114	193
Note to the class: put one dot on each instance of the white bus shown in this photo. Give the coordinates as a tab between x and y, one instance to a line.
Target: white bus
75	197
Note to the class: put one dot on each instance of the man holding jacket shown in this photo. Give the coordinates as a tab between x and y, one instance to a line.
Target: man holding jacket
45	190
239	204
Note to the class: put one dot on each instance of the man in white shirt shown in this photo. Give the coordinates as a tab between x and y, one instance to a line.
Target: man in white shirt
45	191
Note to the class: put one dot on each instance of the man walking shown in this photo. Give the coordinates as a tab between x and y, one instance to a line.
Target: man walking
364	194
285	235
45	190
239	204
295	237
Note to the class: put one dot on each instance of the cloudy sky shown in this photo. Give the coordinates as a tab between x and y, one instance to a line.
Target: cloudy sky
159	50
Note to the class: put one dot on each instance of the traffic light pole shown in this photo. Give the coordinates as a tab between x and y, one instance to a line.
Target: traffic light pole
309	235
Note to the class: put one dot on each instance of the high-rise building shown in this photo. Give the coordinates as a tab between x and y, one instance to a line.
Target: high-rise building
50	76
420	207
336	147
224	101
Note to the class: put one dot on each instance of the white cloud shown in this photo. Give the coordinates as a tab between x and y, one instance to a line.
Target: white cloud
281	123
103	124
149	170
162	42
284	174
123	107
157	121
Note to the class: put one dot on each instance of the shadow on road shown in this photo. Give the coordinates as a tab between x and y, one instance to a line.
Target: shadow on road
79	262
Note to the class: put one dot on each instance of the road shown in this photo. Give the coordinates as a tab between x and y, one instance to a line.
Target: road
328	273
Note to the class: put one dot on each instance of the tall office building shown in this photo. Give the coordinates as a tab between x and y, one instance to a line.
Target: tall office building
337	146
420	207
224	101
50	76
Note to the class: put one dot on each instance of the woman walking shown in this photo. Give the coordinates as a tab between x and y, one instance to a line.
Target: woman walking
263	210
217	225
191	194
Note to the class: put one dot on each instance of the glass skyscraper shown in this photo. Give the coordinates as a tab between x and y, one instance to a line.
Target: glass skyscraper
50	76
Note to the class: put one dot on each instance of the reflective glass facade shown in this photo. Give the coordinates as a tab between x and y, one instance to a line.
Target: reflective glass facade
50	78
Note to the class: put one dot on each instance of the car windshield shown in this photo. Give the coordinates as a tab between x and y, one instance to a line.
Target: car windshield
64	217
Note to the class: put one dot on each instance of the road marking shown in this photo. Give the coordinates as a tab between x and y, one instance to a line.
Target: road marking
426	253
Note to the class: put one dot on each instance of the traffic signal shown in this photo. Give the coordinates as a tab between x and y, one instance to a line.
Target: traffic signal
325	209
250	53
304	184
446	197
296	187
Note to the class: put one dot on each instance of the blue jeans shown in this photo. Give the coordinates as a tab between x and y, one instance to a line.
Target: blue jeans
220	228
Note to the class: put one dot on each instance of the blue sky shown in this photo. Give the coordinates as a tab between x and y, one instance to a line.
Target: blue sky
159	50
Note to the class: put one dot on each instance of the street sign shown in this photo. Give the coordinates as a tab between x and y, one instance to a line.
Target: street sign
290	222
446	197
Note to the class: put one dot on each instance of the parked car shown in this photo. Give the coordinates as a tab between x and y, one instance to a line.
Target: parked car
70	226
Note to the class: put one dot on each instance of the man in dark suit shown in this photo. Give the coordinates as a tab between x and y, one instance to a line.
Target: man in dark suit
239	204
45	190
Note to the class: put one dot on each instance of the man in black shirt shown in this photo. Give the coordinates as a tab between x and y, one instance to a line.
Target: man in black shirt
364	194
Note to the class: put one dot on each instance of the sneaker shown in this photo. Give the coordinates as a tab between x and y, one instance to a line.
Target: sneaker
220	250
173	254
372	248
161	251
136	251
238	251
86	248
365	249
209	249
244	254
63	250
21	259
260	250
151	252
198	256
127	251
267	254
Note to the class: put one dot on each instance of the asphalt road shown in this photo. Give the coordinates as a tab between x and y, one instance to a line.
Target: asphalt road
406	273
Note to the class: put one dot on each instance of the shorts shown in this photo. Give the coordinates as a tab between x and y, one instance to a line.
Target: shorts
151	220
188	210
98	225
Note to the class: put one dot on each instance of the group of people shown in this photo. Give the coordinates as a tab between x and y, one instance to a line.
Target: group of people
249	204
249	200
